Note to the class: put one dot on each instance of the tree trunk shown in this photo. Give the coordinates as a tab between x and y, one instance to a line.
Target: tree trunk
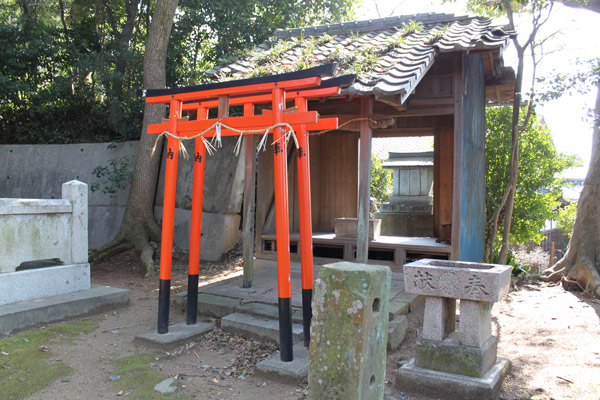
581	263
139	226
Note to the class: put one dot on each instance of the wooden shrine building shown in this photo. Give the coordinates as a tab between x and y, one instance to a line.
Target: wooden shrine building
421	75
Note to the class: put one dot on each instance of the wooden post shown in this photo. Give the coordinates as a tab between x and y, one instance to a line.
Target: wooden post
249	193
168	222
282	224
551	263
196	225
457	90
364	181
305	214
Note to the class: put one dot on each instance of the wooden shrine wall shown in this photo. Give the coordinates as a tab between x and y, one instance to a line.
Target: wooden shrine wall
334	182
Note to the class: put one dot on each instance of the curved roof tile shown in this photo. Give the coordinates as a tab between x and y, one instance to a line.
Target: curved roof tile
394	60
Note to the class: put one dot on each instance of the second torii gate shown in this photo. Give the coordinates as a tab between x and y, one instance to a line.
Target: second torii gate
274	89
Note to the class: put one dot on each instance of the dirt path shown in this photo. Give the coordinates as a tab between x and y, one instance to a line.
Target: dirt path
550	335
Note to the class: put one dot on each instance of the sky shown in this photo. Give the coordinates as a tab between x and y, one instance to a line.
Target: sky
579	30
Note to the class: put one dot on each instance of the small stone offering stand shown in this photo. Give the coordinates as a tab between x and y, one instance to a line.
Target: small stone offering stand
450	363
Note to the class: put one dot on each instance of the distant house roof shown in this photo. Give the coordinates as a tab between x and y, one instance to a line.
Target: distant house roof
390	55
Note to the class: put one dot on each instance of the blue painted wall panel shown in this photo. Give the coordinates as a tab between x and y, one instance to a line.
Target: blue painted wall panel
472	210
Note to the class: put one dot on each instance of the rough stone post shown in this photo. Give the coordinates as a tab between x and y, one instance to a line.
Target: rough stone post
349	332
77	193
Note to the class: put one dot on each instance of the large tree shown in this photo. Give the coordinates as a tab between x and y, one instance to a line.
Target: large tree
205	31
139	227
580	265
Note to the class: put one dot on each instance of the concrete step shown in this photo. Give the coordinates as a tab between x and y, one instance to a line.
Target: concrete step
17	316
396	332
218	306
260	328
267	311
403	303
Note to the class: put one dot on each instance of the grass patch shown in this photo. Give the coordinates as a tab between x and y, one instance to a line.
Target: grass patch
27	363
138	378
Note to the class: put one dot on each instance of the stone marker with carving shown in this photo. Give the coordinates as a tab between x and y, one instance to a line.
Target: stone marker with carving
349	332
460	364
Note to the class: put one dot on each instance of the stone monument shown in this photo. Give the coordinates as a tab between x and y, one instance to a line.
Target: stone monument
456	364
349	329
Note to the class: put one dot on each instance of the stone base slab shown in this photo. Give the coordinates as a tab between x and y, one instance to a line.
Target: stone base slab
456	359
26	314
412	379
293	372
257	327
40	283
177	334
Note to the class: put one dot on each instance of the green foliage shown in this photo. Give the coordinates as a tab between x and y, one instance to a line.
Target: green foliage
565	218
537	186
394	42
412	26
437	34
115	176
69	68
381	180
517	267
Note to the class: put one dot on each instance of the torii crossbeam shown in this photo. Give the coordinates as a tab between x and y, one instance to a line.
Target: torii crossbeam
273	89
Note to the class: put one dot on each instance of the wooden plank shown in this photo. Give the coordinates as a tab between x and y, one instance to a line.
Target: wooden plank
436	184
277	81
191	128
446	177
400	132
364	182
266	98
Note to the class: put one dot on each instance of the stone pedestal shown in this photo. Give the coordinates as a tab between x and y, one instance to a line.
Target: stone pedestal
349	332
348	227
461	364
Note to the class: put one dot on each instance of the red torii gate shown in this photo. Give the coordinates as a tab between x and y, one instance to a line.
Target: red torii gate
274	89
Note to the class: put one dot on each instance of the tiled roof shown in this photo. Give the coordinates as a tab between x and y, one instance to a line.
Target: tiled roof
389	57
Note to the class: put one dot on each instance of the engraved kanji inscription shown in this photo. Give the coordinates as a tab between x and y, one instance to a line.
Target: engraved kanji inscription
423	280
475	286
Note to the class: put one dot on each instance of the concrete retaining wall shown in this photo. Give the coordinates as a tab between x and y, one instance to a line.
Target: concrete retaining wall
37	171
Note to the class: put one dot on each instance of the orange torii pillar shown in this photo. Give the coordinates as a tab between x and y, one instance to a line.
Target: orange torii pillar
168	222
196	224
304	208
282	224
